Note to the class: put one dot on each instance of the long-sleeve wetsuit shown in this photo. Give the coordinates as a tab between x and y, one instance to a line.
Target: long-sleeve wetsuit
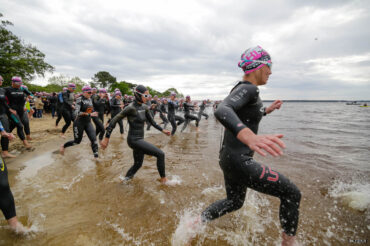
137	114
16	98
7	205
67	108
99	106
202	107
115	105
172	117
83	123
188	116
243	108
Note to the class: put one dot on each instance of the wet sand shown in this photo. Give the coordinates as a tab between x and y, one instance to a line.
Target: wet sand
76	200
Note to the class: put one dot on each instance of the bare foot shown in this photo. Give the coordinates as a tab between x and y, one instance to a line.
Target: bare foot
17	227
163	180
29	138
26	144
6	154
62	135
61	149
288	240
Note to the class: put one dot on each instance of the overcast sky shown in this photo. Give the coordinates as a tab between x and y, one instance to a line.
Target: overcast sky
320	49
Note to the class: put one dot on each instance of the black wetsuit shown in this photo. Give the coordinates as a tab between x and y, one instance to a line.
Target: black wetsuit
16	98
154	108
4	112
115	105
68	99
59	107
7	205
53	104
202	107
243	108
172	117
137	114
162	112
83	123
188	116
99	106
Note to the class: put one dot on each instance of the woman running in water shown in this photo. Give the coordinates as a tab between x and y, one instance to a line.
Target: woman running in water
83	112
68	107
18	118
117	105
137	113
240	113
188	116
172	117
7	205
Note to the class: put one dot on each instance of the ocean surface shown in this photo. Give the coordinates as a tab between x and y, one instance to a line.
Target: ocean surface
76	200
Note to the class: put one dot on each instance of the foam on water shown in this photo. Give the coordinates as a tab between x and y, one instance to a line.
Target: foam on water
175	180
120	231
32	166
355	195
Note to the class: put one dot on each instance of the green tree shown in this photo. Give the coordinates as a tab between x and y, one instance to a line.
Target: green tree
104	79
167	92
18	58
124	87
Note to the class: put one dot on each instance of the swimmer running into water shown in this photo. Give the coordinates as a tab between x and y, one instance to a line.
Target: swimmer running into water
83	112
240	113
137	113
7	205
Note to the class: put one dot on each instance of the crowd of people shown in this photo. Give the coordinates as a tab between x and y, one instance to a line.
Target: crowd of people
240	113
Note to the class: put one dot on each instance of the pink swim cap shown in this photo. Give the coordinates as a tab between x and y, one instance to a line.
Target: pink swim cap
249	60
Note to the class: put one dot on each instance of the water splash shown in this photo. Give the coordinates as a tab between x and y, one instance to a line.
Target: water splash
355	195
175	180
188	228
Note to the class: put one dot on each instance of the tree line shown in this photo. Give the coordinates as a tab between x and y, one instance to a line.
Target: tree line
18	58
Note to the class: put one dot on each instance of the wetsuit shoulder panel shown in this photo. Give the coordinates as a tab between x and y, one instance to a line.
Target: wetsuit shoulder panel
242	94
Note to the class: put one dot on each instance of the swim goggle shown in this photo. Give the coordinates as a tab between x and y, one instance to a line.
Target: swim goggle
144	95
268	63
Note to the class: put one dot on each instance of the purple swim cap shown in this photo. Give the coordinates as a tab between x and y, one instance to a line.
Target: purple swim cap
249	60
86	88
102	90
65	88
187	97
16	79
118	93
94	89
71	85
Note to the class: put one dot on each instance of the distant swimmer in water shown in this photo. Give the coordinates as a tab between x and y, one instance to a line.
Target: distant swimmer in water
137	114
7	205
83	113
240	114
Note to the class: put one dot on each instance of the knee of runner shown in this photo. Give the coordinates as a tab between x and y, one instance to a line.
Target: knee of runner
293	195
160	154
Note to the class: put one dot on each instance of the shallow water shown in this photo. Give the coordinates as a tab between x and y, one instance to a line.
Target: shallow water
76	200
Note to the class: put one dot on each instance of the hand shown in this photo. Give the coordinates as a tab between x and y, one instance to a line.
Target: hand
270	143
13	111
94	114
275	105
10	136
104	143
167	132
73	107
